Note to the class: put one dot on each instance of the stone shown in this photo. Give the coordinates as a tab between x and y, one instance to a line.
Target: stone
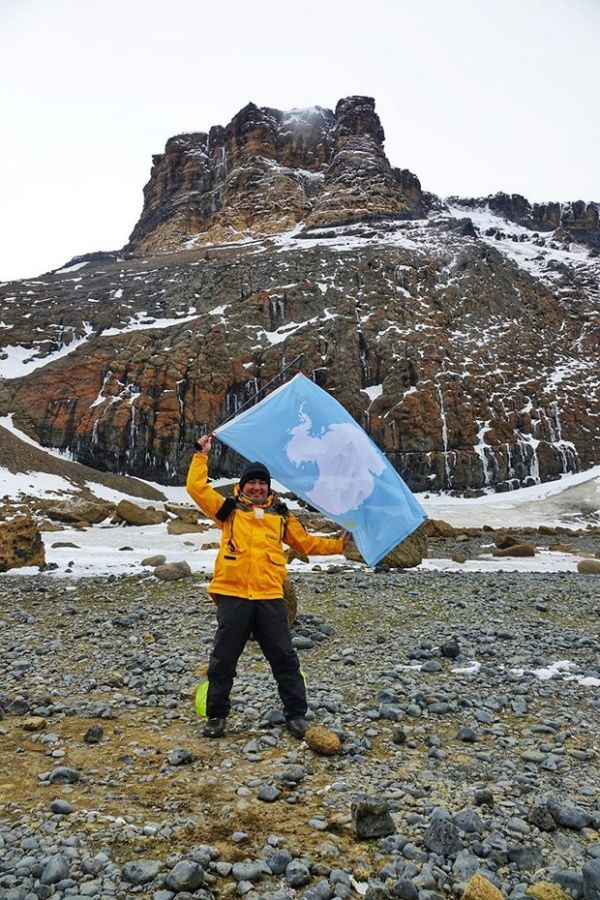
79	510
248	871
442	836
268	793
589	566
297	874
55	870
64	775
371	817
504	541
437	528
179	756
469	821
406	555
323	741
20	544
186	875
183	512
141	871
172	571
94	734
516	550
177	526
539	816
405	889
450	649
61	807
465	865
133	514
568	816
591	880
154	561
526	857
483	797
570	881
479	888
545	890
34	723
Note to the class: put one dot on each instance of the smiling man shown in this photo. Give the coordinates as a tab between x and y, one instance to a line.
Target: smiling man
247	584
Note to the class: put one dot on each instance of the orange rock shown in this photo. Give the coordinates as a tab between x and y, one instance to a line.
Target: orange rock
322	740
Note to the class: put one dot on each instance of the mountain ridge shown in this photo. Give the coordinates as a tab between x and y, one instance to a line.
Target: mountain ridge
462	334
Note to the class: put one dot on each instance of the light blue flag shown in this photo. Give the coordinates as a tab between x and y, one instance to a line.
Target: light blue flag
314	447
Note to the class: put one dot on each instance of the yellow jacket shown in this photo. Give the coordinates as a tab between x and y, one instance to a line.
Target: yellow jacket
251	561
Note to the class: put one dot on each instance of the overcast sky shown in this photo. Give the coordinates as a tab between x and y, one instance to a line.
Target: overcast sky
475	96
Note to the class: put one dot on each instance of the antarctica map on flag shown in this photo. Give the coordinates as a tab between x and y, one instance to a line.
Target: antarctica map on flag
346	463
313	446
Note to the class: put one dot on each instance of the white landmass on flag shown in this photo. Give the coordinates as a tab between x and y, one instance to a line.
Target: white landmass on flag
346	462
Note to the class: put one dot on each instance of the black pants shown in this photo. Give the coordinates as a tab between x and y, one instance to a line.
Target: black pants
237	619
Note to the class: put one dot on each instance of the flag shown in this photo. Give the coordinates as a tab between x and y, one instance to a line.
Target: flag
313	446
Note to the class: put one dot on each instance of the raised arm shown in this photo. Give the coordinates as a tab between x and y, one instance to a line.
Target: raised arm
209	500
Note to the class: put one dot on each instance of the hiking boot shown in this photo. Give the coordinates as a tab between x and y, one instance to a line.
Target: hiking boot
297	727
214	728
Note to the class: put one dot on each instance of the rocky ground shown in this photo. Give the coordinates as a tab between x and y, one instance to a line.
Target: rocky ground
441	688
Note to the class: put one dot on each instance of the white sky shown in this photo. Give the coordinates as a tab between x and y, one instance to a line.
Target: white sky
474	97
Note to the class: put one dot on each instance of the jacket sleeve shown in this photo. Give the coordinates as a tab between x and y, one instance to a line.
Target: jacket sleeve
299	538
209	500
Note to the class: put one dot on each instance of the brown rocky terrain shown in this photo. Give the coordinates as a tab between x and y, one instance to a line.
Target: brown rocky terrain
438	689
464	336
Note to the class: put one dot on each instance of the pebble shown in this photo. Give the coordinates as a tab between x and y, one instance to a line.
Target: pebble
61	807
179	756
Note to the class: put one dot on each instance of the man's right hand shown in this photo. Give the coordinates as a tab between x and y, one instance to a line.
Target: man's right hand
204	443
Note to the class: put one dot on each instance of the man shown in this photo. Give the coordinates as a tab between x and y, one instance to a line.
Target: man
247	585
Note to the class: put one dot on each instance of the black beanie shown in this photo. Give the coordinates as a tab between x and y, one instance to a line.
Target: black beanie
254	470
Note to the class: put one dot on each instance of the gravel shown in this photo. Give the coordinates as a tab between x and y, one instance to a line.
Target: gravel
467	706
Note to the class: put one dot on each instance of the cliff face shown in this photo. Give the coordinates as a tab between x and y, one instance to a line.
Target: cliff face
269	170
465	338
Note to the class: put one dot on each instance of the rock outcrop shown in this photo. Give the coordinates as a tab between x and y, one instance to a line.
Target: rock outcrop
578	221
269	170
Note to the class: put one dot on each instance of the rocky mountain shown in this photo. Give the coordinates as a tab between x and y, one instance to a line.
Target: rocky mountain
462	334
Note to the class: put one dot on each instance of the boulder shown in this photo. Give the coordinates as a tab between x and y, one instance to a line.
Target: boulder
406	555
183	512
20	544
437	528
77	510
589	566
172	571
154	561
516	550
179	526
504	541
133	514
